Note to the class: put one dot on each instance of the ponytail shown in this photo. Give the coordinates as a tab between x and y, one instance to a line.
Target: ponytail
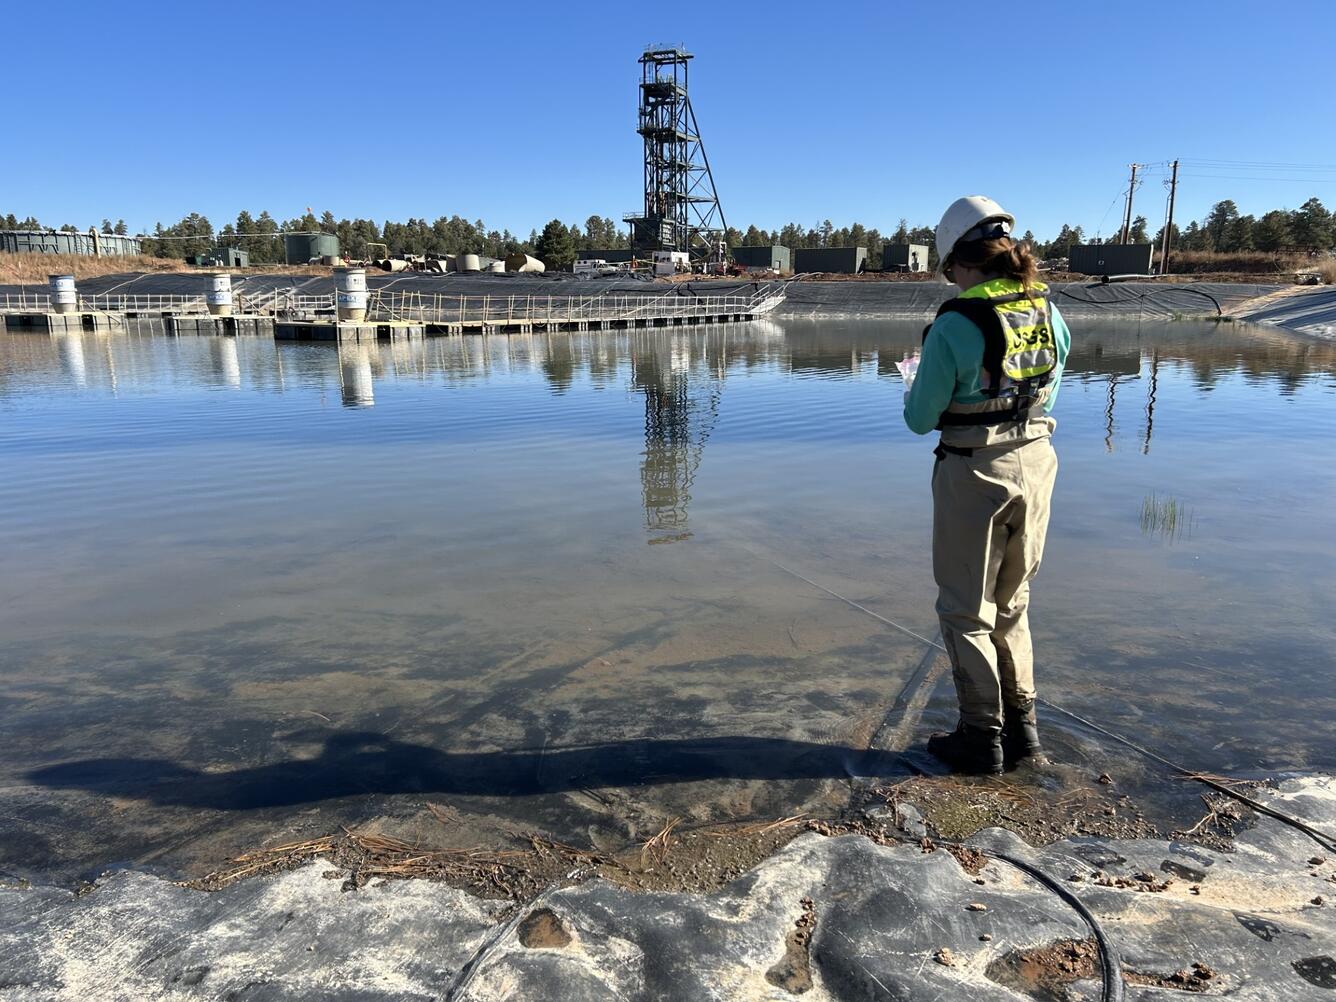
999	256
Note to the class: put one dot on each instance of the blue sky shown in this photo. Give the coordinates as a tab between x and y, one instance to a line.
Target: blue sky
515	112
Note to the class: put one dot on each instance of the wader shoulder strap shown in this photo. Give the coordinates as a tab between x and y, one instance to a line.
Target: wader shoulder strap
981	313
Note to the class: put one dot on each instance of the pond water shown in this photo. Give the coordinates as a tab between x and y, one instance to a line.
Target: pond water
251	588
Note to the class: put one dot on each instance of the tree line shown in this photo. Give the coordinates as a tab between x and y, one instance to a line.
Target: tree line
13	222
262	236
1310	228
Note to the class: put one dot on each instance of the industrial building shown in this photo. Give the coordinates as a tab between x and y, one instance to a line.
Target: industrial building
1110	259
302	248
617	256
904	257
774	258
839	260
91	243
221	257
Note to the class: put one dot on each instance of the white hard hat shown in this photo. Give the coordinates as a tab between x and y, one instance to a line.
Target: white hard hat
967	214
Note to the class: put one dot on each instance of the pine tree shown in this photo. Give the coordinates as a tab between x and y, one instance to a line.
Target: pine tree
555	247
1311	226
1174	240
1272	231
1218	222
1239	236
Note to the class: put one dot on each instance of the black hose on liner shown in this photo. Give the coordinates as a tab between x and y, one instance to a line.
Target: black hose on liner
1111	963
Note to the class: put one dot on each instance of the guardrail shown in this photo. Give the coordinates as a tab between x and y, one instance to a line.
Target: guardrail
143	303
521	310
439	308
18	302
147	303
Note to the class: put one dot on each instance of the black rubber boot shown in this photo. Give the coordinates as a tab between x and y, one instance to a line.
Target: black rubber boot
969	749
1020	735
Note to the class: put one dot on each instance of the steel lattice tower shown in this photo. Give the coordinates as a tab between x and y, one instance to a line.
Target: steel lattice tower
682	210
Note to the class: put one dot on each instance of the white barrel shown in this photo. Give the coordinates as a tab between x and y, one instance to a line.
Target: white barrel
219	296
469	262
64	298
350	293
497	267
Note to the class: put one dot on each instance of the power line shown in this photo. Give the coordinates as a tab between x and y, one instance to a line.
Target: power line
1099	230
1258	164
1247	177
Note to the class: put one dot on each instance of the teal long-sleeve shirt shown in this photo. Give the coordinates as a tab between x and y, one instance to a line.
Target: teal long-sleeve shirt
952	362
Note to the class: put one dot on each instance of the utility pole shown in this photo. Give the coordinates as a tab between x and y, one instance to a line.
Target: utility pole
1169	222
1127	215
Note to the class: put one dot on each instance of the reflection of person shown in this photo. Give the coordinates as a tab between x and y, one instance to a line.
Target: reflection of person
987	380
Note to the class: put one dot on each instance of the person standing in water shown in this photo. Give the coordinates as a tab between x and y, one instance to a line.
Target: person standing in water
987	380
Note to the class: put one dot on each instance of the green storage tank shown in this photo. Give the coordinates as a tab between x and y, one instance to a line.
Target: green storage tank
300	248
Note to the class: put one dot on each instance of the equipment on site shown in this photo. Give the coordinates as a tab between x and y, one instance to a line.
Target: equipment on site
967	214
681	210
670	262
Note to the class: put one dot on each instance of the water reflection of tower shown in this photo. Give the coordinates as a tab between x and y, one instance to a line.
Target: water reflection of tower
679	415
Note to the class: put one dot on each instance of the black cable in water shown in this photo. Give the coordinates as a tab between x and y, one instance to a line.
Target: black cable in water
1325	840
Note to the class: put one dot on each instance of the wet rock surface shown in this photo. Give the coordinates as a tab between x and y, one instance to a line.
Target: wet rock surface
826	917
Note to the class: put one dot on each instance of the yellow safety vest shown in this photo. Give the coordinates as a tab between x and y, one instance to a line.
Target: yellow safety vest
1019	350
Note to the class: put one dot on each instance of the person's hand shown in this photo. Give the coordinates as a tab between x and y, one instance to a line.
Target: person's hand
908	367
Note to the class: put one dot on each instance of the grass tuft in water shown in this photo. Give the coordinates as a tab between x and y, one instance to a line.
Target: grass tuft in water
1166	517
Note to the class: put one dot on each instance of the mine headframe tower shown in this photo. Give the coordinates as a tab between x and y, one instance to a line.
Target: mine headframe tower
682	210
